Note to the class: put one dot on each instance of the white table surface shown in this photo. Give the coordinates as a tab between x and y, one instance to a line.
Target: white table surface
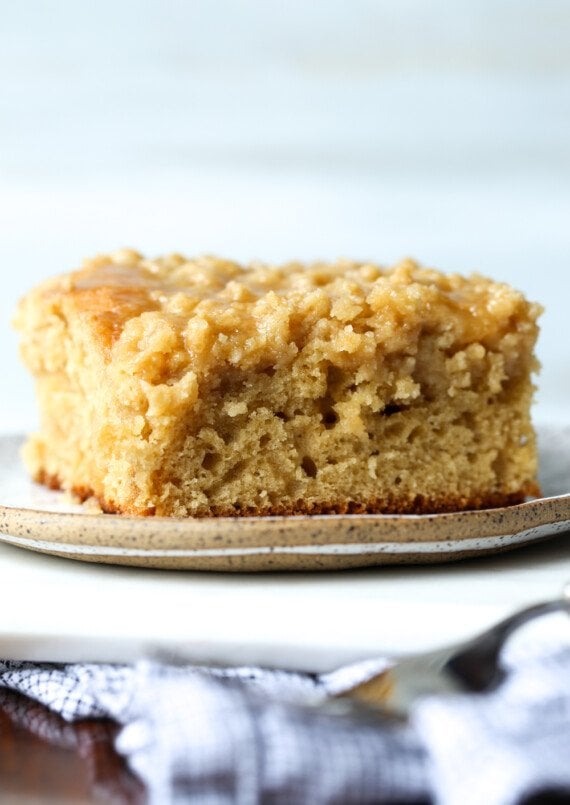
59	609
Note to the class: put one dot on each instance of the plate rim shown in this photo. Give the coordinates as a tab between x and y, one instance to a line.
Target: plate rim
91	535
250	532
479	544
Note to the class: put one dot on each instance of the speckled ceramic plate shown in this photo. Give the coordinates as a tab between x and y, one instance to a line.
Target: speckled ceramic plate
35	518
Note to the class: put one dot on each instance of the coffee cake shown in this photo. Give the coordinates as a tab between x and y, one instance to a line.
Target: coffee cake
199	387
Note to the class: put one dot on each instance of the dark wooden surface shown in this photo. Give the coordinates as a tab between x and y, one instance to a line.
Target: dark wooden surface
44	759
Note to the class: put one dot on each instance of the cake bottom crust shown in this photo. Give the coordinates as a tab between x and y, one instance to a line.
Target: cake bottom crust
393	505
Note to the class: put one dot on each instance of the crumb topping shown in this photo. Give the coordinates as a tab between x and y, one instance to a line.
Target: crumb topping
163	316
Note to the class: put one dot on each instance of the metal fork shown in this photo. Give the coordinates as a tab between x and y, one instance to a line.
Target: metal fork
470	666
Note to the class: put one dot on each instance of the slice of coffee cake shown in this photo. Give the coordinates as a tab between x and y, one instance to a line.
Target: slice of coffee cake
201	387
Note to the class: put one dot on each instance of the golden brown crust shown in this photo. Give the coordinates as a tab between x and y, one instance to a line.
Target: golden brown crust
417	505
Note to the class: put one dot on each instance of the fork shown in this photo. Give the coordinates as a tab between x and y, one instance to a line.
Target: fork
473	665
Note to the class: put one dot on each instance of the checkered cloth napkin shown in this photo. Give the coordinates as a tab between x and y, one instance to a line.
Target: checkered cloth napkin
247	735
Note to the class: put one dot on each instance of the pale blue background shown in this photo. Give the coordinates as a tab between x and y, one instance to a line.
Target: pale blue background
289	129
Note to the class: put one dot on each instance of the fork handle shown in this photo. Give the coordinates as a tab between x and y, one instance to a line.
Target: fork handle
477	665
